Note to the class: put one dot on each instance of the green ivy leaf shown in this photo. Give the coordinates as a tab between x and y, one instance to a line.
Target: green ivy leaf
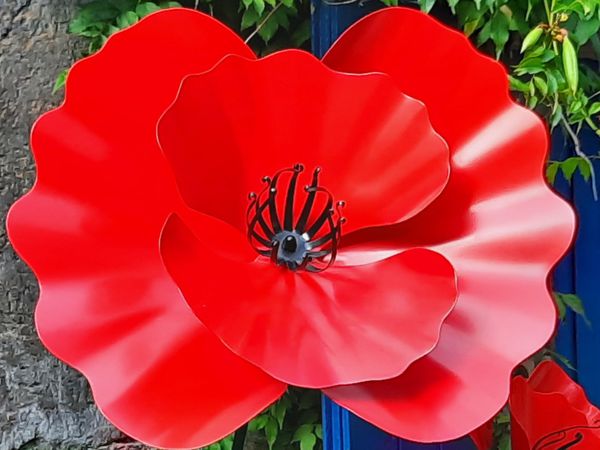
127	19
560	305
452	4
271	430
560	358
499	31
585	29
504	442
143	9
426	5
585	169
551	171
304	434
123	5
484	34
302	431
574	303
271	26
258	423
301	34
60	81
594	108
279	410
568	167
541	85
249	18
259	6
552	82
319	431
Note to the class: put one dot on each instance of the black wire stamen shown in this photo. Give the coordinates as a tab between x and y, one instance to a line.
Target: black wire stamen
301	246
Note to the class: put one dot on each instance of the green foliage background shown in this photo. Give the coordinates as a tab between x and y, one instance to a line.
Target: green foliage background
551	48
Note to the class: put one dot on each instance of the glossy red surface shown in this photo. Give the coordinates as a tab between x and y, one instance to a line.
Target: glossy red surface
497	222
90	227
339	326
90	230
251	118
551	412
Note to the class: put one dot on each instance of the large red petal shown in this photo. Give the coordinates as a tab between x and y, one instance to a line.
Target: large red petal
246	119
339	326
549	410
497	222
90	229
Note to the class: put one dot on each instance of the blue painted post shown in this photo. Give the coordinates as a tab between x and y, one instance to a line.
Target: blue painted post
579	272
564	274
586	277
330	20
342	430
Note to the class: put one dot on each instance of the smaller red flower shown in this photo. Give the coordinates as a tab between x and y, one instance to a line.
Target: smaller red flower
551	412
483	437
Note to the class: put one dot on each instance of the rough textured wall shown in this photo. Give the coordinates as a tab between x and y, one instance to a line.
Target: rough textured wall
43	404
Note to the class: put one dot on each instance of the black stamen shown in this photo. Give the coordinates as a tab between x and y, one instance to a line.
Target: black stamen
310	200
327	212
288	245
289	202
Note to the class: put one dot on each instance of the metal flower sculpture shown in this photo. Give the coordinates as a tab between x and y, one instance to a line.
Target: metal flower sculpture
551	412
208	227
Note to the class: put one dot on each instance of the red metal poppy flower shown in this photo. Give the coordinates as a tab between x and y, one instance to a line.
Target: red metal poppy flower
551	412
175	147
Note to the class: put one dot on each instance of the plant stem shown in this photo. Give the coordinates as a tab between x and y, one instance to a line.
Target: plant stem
580	153
239	438
262	23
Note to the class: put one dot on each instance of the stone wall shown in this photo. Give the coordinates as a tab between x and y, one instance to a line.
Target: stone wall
43	403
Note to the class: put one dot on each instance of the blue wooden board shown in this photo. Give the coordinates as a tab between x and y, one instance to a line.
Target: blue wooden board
329	20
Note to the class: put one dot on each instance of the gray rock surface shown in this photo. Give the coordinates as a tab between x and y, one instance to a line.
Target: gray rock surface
43	403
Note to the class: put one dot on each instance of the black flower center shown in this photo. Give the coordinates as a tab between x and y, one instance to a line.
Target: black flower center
299	239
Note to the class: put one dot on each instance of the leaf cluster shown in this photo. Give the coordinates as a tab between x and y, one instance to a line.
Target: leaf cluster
98	19
571	302
292	423
568	168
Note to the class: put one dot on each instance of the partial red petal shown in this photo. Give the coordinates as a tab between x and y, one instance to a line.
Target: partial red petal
246	119
497	222
90	230
339	326
550	411
483	437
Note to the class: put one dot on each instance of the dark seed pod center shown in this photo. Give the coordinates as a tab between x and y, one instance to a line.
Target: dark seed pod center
304	238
